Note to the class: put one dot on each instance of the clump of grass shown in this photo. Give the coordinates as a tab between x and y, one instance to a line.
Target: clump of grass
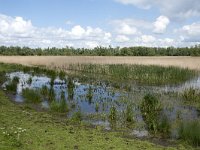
31	96
190	132
129	114
59	106
61	75
191	95
77	116
113	113
51	94
12	86
44	91
150	109
90	94
164	126
29	80
97	107
70	88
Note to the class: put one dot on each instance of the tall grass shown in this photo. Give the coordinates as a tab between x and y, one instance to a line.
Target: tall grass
12	85
191	95
143	74
190	132
150	109
31	96
59	106
70	88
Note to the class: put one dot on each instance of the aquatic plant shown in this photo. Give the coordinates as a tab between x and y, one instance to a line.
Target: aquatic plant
44	91
97	107
31	96
129	115
150	109
12	85
51	95
164	126
113	113
29	80
190	132
62	75
90	94
77	116
143	74
191	95
70	88
60	107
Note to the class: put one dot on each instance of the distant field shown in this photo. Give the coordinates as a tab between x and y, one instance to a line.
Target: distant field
64	61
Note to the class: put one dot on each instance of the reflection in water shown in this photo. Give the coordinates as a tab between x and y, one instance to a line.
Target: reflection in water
106	96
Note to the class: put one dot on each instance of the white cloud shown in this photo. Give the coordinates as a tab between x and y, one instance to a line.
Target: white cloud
121	38
126	29
146	39
189	33
78	31
92	44
179	9
140	3
161	24
21	32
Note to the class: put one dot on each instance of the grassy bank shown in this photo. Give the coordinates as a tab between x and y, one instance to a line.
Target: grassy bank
23	128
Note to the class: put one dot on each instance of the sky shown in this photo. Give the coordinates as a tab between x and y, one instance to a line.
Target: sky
91	23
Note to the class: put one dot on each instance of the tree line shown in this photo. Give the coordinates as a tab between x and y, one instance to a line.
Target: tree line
102	51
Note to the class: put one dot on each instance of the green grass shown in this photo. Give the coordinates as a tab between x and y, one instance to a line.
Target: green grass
44	131
191	96
12	85
190	132
31	96
150	109
143	74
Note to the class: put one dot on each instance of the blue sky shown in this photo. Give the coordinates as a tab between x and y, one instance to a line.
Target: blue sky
90	23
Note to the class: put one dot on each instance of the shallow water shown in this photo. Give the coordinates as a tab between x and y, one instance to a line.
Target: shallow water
105	96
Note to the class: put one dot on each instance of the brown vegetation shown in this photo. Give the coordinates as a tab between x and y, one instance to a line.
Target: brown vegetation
64	61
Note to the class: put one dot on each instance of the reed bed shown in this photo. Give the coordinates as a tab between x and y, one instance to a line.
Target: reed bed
151	75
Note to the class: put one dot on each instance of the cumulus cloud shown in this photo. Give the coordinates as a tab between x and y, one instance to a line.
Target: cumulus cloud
179	9
126	29
121	38
189	33
21	32
161	24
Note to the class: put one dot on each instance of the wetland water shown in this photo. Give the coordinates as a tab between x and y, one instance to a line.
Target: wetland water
95	100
